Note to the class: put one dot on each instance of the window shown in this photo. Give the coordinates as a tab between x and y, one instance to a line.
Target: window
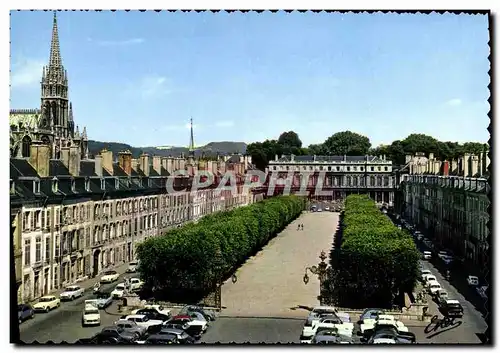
103	184
43	224
36	187
27	252
47	249
73	185
57	246
372	169
338	168
87	185
386	169
329	168
26	224
87	237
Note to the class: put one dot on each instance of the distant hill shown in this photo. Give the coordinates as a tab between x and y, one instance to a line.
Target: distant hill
211	149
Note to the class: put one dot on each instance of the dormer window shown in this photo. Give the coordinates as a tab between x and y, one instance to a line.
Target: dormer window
103	184
87	185
55	185
36	186
12	186
73	185
117	183
150	182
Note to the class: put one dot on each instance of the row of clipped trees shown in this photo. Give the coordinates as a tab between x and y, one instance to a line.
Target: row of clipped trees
188	262
374	262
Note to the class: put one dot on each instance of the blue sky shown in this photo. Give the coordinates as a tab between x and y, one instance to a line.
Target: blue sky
138	77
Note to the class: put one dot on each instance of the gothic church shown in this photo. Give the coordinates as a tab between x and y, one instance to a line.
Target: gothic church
53	123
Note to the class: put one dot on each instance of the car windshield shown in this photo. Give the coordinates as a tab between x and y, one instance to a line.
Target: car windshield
120	287
103	295
109	272
133	263
91	311
46	299
70	289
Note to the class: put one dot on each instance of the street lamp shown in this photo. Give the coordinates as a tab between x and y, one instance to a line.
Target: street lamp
320	271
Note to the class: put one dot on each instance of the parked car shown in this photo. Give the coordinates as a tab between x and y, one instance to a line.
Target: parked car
158	308
327	208
109	277
182	336
440	294
194	322
47	303
451	308
135	284
91	316
143	320
132	266
433	287
131	326
113	334
382	320
71	293
327	322
388	334
191	331
427	255
118	291
370	313
330	337
424	274
208	314
472	280
442	254
429	278
25	312
152	314
159	339
184	323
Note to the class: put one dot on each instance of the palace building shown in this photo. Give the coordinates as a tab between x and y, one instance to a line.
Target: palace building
338	176
73	217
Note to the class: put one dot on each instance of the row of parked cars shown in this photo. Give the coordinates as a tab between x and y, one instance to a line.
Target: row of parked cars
154	324
449	307
326	325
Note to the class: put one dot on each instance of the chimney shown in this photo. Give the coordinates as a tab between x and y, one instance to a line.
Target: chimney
169	162
481	164
431	156
74	160
437	167
474	165
454	167
65	156
384	157
157	164
40	158
292	157
446	168
107	161
276	157
98	165
125	161
135	164
182	164
466	164
314	158
144	162
164	162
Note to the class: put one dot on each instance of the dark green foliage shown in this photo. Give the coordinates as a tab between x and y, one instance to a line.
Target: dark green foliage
192	258
376	260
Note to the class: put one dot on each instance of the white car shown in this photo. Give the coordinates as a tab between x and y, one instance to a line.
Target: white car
429	278
91	316
434	287
118	291
370	324
142	320
159	308
135	284
427	255
109	277
327	322
472	280
132	266
327	208
47	303
425	273
71	293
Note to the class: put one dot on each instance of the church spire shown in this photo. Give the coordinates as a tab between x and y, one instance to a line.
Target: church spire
55	51
191	141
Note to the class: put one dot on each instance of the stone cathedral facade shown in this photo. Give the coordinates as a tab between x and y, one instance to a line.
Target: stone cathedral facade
52	123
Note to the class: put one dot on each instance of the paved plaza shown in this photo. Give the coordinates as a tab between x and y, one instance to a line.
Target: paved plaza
270	284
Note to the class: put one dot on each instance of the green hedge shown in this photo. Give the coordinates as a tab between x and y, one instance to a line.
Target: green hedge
376	262
193	257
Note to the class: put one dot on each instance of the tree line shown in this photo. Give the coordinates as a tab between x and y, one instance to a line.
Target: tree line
373	262
188	262
353	144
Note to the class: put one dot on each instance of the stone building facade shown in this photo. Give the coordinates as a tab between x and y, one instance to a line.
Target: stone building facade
452	208
338	175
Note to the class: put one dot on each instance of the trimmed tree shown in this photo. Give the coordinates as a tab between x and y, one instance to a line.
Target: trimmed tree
376	261
188	261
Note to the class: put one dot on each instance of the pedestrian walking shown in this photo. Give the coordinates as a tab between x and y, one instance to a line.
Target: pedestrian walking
298	226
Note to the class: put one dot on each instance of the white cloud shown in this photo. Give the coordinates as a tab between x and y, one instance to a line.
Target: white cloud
26	72
155	85
114	43
454	102
179	127
224	123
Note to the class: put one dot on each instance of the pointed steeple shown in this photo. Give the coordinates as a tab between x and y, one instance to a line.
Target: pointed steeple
84	133
55	52
70	114
191	141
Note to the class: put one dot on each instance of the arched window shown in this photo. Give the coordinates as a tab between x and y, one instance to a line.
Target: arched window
26	146
372	181
379	181
348	181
